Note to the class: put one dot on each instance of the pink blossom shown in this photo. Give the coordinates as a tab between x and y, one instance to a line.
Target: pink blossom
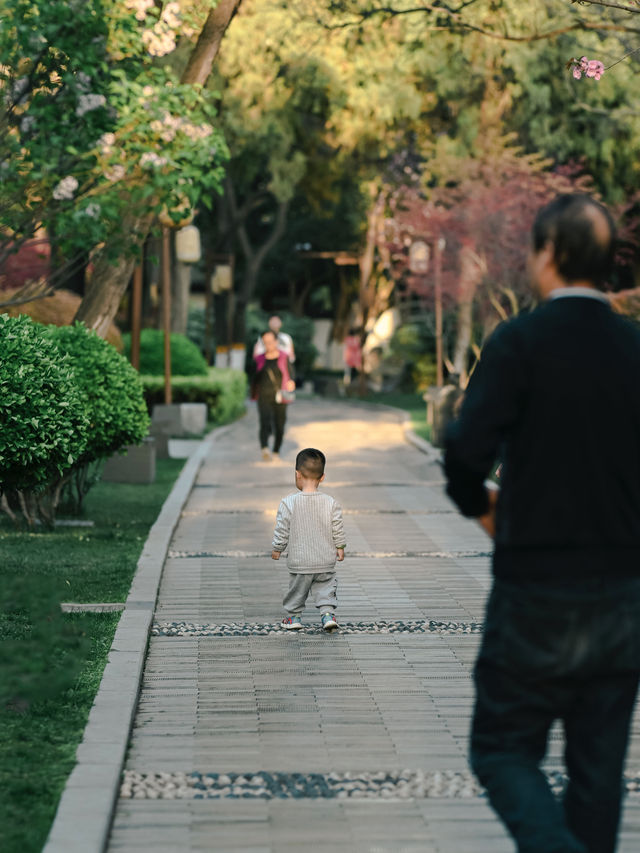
595	69
589	67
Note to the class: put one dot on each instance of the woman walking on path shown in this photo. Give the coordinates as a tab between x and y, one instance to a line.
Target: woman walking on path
272	378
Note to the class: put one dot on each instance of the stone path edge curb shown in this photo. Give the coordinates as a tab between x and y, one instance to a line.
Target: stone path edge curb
411	437
83	819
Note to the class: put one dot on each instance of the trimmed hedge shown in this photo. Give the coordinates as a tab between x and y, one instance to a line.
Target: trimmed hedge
68	400
111	387
45	425
186	358
224	390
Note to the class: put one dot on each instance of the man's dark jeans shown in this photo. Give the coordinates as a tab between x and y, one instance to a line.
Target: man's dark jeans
568	651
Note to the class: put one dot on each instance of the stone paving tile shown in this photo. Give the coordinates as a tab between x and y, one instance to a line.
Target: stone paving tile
311	702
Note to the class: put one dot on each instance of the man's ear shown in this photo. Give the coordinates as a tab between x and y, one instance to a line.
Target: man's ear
543	270
321	479
549	253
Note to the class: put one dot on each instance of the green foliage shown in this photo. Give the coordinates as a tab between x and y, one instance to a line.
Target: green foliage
413	347
197	328
301	331
224	390
94	125
46	429
256	322
186	358
112	388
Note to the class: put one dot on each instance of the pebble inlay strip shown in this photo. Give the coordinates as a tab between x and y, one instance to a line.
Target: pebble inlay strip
405	784
376	555
239	629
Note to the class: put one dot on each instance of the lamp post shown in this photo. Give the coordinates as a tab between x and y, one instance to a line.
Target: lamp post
419	257
439	248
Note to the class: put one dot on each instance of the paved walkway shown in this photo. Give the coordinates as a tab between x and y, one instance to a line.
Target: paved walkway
251	739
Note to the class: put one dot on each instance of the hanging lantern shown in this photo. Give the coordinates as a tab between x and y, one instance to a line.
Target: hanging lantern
419	257
188	245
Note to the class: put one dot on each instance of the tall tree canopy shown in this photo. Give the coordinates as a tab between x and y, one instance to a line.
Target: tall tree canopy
321	102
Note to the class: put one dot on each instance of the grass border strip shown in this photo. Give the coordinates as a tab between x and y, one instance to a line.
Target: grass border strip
83	819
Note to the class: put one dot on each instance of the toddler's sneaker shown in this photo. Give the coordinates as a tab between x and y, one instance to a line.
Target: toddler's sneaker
329	622
292	623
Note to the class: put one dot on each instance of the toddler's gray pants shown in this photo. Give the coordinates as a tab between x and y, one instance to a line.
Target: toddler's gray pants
323	587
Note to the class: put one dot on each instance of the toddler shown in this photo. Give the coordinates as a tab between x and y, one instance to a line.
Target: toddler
309	525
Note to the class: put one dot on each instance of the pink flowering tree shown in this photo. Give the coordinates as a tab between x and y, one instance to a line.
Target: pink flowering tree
485	219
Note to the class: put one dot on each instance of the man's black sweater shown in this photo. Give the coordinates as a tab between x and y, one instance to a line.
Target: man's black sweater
556	398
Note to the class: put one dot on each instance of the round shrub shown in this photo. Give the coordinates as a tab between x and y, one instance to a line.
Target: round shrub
45	427
112	387
186	358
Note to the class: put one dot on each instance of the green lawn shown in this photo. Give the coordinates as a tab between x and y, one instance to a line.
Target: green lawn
50	663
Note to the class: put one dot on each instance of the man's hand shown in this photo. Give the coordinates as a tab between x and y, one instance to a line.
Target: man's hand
275	555
488	521
340	554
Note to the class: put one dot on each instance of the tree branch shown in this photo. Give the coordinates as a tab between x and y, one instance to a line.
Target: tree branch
459	24
230	194
276	233
631	9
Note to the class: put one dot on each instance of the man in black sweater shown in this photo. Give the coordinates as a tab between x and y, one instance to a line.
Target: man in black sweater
556	399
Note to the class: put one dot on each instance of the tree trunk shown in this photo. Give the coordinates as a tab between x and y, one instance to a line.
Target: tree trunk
472	269
342	319
367	287
298	297
221	331
204	53
181	289
254	259
110	280
238	322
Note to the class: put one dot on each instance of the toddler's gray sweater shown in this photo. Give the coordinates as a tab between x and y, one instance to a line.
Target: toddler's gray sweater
309	525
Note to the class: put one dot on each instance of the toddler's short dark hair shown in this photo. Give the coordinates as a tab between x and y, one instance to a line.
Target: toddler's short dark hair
310	462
